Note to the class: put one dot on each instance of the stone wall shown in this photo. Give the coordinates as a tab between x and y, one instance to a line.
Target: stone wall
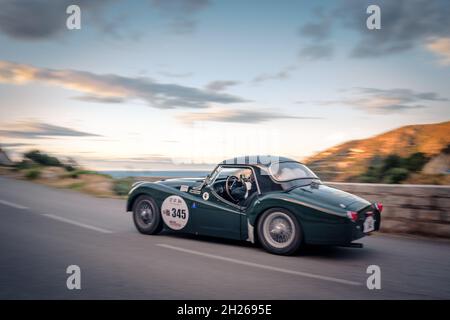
412	209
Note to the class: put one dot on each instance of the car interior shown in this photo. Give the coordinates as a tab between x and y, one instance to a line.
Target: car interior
236	185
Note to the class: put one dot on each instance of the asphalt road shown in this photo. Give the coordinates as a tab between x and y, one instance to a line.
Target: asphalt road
44	230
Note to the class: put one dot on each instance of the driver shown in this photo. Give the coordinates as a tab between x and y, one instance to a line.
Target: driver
242	191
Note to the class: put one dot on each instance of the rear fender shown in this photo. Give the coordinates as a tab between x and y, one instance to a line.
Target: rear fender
310	218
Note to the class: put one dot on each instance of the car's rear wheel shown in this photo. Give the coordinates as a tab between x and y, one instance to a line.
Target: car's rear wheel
146	215
279	231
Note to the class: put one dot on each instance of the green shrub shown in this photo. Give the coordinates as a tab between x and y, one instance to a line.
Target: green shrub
415	162
396	175
69	168
446	150
73	175
33	174
368	179
77	172
42	158
24	164
121	187
393	168
391	161
76	185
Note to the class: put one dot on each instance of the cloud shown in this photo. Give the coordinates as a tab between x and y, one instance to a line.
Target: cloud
236	116
42	19
180	7
404	25
220	85
36	130
176	75
99	99
181	13
317	51
14	145
318	30
440	47
316	33
381	101
283	74
114	88
46	19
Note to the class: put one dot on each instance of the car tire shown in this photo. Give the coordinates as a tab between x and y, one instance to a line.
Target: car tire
279	232
146	215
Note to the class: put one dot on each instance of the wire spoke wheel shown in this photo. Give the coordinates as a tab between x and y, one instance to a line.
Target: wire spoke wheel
279	230
145	212
146	215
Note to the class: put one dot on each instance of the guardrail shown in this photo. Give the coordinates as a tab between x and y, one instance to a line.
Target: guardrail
412	209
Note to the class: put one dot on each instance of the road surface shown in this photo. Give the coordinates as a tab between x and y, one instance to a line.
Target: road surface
44	230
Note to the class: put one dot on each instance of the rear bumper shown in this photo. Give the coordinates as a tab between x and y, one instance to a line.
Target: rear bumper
358	226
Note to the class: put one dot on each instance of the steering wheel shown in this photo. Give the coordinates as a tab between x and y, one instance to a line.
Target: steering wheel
230	184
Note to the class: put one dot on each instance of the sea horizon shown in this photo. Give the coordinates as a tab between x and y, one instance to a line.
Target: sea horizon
155	173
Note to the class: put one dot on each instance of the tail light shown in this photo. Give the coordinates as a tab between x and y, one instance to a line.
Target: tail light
379	206
352	215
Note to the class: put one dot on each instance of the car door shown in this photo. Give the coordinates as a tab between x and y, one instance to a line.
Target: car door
216	217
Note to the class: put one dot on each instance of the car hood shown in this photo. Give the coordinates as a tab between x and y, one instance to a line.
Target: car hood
322	195
182	181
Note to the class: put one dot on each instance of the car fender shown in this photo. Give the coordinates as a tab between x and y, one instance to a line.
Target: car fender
308	215
156	190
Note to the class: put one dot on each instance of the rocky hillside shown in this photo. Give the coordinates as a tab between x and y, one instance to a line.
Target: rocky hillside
351	160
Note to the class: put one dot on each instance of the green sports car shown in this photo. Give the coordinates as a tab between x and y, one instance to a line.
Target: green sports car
276	201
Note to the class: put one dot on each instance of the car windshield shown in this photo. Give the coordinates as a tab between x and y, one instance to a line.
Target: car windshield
288	171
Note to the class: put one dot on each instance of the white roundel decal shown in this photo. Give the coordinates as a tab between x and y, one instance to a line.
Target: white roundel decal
175	212
205	196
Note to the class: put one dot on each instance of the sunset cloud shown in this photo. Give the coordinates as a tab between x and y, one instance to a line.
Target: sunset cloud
111	88
36	130
236	116
381	101
440	47
221	85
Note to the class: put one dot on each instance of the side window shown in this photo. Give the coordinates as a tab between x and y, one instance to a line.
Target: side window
240	187
223	173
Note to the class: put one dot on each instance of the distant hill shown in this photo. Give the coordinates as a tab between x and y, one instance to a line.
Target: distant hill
348	161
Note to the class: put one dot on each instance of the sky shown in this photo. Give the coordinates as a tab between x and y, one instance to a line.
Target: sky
162	84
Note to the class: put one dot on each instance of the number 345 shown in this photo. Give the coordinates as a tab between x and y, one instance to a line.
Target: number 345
180	213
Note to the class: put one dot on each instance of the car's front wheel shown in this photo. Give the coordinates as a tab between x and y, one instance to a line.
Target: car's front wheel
146	216
279	231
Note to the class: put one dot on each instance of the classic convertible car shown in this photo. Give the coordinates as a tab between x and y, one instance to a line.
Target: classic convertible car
276	201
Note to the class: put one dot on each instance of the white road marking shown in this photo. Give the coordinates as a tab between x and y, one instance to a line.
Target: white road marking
261	266
76	223
12	204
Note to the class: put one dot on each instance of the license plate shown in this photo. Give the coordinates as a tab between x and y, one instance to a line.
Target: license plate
369	224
